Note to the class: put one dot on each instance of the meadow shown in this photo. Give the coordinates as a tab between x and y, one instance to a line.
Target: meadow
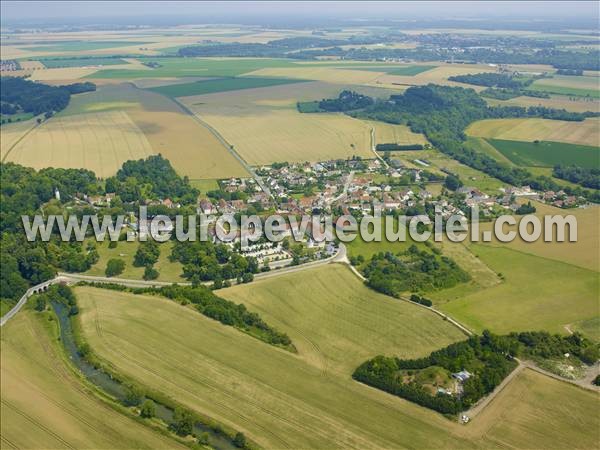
80	46
536	294
547	154
570	103
308	400
400	134
45	404
582	133
219	85
585	86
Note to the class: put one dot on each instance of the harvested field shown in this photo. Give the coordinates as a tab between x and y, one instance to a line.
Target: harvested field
101	142
586	132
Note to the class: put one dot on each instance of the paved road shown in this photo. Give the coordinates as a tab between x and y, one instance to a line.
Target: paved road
340	256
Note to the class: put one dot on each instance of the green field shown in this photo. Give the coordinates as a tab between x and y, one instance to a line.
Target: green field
194	67
81	46
564	90
220	85
402	71
45	404
80	62
547	154
536	294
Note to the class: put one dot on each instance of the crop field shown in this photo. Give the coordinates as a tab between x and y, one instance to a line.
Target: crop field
80	62
548	154
583	133
319	73
81	46
305	400
195	67
535	411
100	141
168	271
552	295
31	65
192	149
219	85
586	86
575	104
264	125
45	405
405	71
589	327
11	133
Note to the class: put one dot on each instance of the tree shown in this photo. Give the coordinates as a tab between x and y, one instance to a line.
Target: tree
183	422
114	267
148	409
147	254
452	182
150	273
40	303
247	277
133	396
239	440
204	438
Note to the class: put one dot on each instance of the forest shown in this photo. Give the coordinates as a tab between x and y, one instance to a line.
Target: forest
22	95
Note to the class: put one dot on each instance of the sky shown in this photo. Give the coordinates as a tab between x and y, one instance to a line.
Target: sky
136	10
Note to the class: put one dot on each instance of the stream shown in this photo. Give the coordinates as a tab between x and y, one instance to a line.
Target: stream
115	388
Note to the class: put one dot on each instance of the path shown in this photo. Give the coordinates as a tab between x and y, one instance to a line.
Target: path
374	149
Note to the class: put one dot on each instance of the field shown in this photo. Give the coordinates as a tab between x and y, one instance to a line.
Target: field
45	405
586	86
191	148
548	154
583	133
100	141
308	400
219	85
80	62
535	411
536	294
399	134
81	46
279	399
194	67
169	271
11	133
575	104
264	125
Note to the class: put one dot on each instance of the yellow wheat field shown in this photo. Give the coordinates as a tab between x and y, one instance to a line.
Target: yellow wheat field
399	134
97	141
586	132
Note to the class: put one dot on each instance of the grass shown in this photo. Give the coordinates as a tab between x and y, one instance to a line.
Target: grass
547	298
101	142
589	327
575	104
219	85
192	149
279	399
308	400
81	46
205	185
194	67
45	405
547	154
584	86
582	133
169	271
80	62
